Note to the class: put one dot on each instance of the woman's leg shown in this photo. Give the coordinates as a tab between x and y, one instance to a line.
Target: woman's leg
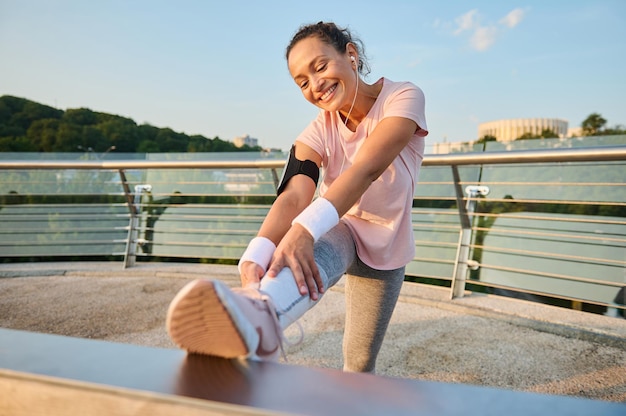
334	253
371	296
208	317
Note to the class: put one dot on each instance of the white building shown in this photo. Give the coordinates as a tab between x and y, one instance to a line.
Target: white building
511	129
245	140
575	132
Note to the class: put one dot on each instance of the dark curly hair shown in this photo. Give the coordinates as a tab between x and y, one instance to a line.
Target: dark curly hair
333	35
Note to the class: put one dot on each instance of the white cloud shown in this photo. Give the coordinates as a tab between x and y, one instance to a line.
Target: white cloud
468	21
483	38
514	17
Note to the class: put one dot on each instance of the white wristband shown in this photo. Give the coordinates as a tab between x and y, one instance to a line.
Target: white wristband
260	251
318	218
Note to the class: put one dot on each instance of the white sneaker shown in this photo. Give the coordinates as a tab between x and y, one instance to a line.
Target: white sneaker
207	317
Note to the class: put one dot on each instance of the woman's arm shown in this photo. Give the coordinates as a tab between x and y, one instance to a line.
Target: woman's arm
383	145
296	197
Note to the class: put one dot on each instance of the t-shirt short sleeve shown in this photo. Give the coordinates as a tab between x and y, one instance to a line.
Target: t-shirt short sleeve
407	100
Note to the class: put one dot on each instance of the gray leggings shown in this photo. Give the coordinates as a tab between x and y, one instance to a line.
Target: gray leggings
371	296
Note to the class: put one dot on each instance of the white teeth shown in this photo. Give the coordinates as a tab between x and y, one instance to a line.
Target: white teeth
327	93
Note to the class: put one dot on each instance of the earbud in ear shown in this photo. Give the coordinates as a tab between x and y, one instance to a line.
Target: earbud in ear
352	58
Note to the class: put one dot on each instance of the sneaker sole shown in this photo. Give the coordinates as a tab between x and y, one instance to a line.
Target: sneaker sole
203	319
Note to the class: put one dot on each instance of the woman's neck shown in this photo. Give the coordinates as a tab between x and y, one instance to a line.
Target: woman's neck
365	99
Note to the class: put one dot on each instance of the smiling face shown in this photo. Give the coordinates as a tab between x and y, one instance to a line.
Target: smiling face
325	76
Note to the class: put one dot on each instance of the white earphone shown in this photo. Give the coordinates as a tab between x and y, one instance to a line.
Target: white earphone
356	73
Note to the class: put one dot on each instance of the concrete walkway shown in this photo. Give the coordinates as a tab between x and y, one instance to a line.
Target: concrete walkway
480	339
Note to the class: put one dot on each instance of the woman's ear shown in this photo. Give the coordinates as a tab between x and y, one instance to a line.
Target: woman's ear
351	50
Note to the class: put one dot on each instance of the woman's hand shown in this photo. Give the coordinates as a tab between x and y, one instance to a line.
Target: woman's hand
296	252
251	274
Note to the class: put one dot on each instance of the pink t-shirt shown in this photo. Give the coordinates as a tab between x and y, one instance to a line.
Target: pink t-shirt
381	219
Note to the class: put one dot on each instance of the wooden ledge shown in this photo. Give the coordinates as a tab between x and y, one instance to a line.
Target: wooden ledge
56	375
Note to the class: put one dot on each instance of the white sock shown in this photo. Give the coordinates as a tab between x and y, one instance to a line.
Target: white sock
290	304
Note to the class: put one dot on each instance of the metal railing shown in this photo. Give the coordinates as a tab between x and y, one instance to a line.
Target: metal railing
534	223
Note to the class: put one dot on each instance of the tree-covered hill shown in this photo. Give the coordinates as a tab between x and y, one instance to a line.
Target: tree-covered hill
27	126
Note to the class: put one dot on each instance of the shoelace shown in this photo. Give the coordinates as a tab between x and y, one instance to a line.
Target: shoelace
273	310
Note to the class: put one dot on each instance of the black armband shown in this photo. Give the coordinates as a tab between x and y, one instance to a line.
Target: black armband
295	167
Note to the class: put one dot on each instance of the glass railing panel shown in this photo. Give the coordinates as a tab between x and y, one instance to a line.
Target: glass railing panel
214	231
436	234
583	259
566	182
61	230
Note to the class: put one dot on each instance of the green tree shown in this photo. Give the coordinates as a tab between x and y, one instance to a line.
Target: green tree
148	146
80	116
121	133
545	134
614	131
16	144
487	138
593	125
219	145
548	134
92	137
11	131
199	144
528	136
32	111
147	134
67	138
5	112
29	126
43	134
170	141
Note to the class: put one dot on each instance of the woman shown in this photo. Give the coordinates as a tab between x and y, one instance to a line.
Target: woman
369	141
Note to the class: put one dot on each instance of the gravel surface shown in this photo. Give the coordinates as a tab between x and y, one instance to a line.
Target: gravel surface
429	338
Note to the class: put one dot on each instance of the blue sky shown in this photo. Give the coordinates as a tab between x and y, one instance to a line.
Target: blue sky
217	68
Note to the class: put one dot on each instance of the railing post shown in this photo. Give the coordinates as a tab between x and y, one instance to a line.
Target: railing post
275	178
466	211
134	207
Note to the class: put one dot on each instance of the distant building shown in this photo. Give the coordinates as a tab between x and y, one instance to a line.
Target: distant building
245	140
575	132
509	130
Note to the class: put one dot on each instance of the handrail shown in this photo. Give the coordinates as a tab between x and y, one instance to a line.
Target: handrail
583	154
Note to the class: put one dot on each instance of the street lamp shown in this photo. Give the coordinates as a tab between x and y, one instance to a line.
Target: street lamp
107	151
95	155
87	150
